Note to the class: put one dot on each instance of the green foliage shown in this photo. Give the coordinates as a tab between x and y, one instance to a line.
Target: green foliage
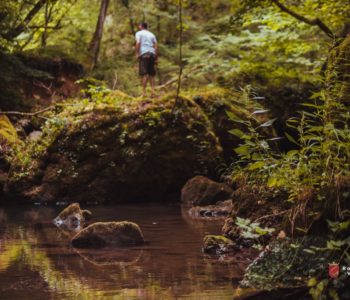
252	230
315	175
250	39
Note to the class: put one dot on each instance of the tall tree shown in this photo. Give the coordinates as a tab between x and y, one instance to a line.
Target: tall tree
94	47
180	55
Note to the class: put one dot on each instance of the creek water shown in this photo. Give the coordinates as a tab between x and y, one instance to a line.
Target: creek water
37	261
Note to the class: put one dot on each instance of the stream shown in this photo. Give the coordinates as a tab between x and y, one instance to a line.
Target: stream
37	261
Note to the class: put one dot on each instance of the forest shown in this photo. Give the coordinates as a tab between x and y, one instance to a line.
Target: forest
215	164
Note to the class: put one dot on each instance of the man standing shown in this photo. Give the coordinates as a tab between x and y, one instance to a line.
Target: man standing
147	54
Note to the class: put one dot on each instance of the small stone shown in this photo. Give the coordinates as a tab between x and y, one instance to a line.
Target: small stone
282	235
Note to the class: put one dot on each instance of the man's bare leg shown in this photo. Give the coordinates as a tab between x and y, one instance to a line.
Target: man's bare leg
144	85
151	80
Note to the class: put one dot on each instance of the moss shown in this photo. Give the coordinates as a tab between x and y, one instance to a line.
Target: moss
8	134
112	143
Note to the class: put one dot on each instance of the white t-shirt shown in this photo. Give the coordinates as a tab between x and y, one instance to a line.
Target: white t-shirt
147	40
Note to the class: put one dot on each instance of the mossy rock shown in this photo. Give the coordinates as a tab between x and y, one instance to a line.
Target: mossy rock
103	234
123	150
201	191
218	244
72	218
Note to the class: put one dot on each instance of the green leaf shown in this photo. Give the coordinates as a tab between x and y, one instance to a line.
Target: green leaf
237	132
256	165
272	182
291	139
233	117
261	111
309	251
268	123
312	282
243	150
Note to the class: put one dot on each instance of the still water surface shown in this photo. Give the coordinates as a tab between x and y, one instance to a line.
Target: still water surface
37	261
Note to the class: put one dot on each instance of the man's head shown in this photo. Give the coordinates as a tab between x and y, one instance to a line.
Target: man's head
143	25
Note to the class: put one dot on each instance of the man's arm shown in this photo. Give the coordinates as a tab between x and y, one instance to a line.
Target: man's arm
137	48
137	45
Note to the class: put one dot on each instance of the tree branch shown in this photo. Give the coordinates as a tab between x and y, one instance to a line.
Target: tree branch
27	114
180	57
313	22
20	28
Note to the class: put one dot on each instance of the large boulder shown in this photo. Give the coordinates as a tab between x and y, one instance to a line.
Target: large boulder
201	191
102	234
122	149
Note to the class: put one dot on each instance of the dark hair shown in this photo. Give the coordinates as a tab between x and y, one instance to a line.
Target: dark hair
144	25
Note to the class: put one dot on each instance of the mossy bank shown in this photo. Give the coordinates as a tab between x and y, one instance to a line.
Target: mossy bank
113	148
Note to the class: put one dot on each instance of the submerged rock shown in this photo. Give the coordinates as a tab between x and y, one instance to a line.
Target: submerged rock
218	244
72	218
102	234
220	210
200	191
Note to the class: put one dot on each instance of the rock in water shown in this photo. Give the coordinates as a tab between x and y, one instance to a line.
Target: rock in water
220	210
218	244
72	218
200	191
102	234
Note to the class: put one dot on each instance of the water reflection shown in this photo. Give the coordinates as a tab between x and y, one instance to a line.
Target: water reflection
37	261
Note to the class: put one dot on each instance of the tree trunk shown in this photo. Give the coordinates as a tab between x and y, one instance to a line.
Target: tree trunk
131	19
47	20
94	47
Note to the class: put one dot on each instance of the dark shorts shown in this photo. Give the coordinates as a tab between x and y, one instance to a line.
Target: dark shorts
147	64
